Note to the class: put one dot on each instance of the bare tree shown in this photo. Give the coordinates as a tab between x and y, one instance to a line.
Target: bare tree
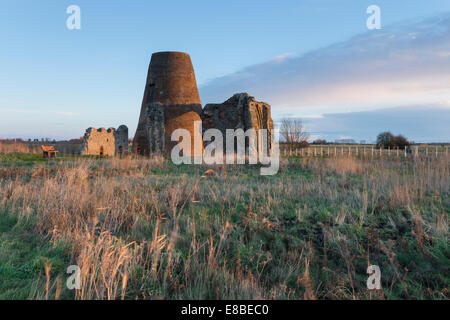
292	132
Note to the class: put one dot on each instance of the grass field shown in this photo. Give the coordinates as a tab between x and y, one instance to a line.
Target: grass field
147	229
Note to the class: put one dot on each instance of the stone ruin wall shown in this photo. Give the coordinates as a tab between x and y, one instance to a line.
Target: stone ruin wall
121	140
155	128
241	111
171	101
106	142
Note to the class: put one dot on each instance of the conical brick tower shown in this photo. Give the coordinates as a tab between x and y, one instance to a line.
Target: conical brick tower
171	101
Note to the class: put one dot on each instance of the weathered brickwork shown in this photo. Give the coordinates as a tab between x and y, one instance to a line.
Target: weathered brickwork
171	101
241	111
105	142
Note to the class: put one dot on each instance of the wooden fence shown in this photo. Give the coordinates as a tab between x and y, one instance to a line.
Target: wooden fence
365	151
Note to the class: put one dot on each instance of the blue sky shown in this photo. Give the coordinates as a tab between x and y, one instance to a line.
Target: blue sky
311	59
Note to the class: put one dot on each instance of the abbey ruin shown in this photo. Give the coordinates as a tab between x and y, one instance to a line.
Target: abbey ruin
241	111
105	142
171	101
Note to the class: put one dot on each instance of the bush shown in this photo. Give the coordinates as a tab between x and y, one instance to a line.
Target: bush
303	144
401	142
387	140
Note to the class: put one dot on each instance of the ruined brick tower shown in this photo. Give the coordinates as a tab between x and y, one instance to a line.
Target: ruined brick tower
170	101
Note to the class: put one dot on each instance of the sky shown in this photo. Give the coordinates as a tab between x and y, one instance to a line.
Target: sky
310	59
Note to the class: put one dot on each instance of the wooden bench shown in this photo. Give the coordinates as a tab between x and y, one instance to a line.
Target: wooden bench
49	151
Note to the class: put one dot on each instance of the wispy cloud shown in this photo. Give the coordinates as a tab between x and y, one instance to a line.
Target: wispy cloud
418	123
404	64
282	57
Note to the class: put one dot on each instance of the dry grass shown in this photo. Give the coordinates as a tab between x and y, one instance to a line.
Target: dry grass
142	228
343	165
31	147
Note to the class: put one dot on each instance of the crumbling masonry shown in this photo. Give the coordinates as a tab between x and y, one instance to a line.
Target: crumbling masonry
105	142
171	101
241	111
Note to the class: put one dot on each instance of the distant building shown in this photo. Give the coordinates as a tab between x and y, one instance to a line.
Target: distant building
346	141
102	142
